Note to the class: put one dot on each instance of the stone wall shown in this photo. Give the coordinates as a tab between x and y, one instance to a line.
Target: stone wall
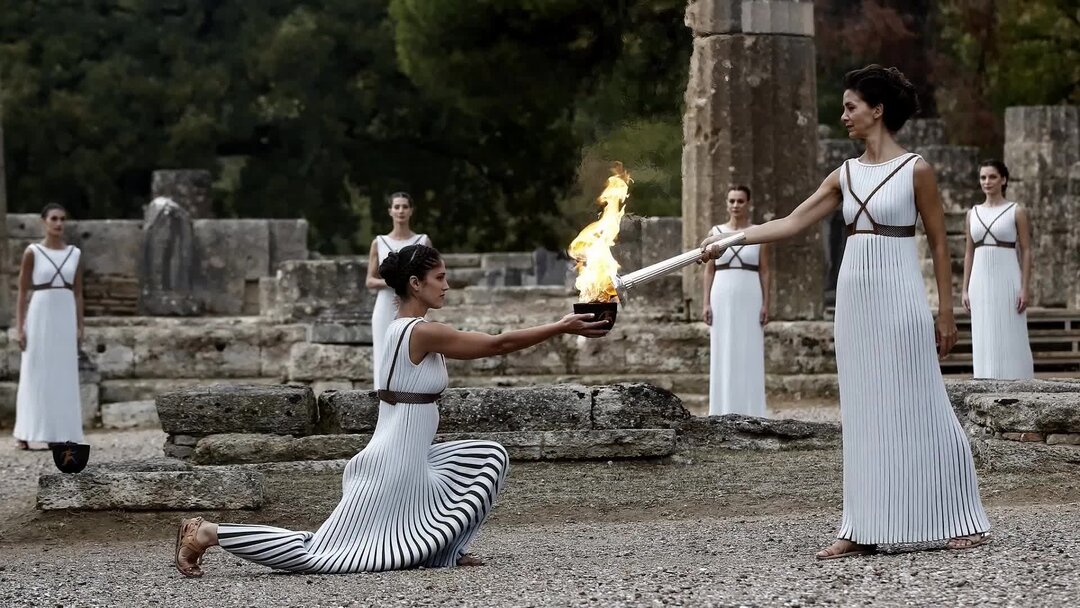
234	255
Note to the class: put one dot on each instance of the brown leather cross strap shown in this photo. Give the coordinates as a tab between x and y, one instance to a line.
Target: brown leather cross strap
735	249
997	242
49	285
878	229
396	397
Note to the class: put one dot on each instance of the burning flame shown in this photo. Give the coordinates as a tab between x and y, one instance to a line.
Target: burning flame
592	246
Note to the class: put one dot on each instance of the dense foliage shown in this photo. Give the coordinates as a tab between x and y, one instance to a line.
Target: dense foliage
501	118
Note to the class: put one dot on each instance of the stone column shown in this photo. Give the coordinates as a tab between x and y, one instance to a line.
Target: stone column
189	188
751	117
6	315
1042	151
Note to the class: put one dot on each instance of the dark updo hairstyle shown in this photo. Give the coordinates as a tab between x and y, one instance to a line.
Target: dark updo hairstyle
741	188
411	261
889	88
404	195
52	207
1000	167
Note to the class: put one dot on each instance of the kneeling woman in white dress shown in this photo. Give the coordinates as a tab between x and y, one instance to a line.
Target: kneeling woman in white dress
405	501
736	310
49	322
997	271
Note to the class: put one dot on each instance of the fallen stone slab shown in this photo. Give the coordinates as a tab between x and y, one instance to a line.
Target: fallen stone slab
1017	412
520	445
1008	456
736	432
126	488
960	390
549	407
636	406
130	415
206	410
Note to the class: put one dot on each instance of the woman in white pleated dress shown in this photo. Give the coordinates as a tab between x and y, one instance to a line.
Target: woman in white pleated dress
908	472
736	310
400	209
405	502
49	325
997	272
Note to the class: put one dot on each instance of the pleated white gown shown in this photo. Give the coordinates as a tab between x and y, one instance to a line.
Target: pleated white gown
908	472
999	334
47	404
736	338
386	307
405	502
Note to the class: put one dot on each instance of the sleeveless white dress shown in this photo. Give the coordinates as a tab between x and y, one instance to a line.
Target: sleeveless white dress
386	306
48	407
405	502
999	335
908	472
737	341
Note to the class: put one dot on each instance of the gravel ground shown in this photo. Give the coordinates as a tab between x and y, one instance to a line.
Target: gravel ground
724	529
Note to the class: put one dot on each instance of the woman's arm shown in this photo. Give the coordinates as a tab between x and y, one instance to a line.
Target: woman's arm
763	275
78	287
811	211
928	203
710	274
969	259
1023	241
455	344
26	272
374	280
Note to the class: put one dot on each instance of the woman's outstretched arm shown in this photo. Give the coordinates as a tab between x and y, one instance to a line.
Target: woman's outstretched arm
811	211
456	344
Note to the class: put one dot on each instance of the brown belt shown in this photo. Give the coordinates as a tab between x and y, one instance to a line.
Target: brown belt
48	286
396	397
750	267
1001	244
899	232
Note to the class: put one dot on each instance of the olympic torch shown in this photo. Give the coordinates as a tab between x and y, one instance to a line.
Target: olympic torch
624	284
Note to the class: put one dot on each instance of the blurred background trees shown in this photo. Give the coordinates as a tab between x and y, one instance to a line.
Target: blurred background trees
501	118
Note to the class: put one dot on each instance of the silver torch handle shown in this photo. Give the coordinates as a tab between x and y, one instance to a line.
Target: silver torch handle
625	283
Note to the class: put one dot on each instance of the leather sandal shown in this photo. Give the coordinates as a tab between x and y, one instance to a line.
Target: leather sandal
22	445
187	538
469	559
959	543
854	550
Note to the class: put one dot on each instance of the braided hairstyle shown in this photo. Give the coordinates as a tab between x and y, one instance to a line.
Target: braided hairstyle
889	88
1002	170
411	261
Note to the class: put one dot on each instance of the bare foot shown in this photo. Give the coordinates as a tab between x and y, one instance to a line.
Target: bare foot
967	542
470	559
845	548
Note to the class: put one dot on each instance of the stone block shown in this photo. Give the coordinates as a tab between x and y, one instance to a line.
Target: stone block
8	392
353	411
1063	439
804	347
288	241
130	415
736	432
608	443
111	349
147	389
231	252
321	386
1016	457
309	361
255	448
1028	437
168	268
1028	414
275	348
706	17
89	397
339	333
636	406
197	489
552	268
960	390
499	261
778	17
461	260
205	410
226	350
109	247
326	290
460	278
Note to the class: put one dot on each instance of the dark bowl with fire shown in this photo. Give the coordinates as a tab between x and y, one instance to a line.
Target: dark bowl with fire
600	311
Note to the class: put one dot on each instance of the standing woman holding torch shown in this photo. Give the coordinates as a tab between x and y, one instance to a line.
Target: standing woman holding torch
736	309
908	471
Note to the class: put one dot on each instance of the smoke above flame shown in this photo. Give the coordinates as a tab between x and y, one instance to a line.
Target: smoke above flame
592	246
